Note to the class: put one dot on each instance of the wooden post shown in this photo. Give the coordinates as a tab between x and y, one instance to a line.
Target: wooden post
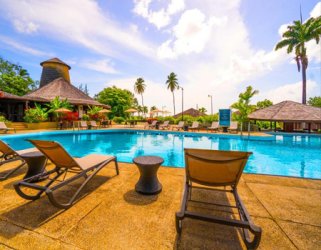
274	126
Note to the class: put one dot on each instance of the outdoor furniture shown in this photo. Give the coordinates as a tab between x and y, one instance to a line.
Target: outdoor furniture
218	171
165	125
153	125
9	155
195	126
82	125
36	162
214	127
3	127
179	126
67	170
148	182
233	128
93	124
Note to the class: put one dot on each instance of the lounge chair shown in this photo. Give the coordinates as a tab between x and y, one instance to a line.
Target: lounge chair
153	125
211	169
82	125
179	126
93	124
84	168
232	128
195	126
3	127
165	125
214	127
9	155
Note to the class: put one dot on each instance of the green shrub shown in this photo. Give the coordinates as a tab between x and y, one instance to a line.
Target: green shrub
2	119
118	120
85	117
36	114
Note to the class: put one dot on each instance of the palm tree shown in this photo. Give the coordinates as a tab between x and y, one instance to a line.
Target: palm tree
202	110
295	38
140	87
172	84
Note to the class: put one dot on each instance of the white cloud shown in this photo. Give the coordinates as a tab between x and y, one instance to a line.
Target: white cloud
292	92
316	11
25	27
161	17
23	48
191	34
104	66
78	21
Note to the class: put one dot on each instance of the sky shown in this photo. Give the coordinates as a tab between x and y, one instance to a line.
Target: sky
216	47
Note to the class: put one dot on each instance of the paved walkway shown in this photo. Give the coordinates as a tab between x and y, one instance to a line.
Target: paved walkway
114	216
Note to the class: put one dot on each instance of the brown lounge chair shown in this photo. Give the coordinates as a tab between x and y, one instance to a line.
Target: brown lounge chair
233	128
179	126
82	125
153	125
165	125
65	166
195	126
9	155
3	127
214	168
93	124
214	127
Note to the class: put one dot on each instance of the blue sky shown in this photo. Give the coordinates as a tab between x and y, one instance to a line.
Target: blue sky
215	47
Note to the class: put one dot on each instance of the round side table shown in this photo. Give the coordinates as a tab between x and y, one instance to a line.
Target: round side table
148	182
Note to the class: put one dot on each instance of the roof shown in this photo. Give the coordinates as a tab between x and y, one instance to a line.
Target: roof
5	95
60	87
192	112
55	60
288	111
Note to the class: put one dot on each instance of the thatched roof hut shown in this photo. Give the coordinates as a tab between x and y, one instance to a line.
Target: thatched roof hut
192	112
288	111
5	95
60	87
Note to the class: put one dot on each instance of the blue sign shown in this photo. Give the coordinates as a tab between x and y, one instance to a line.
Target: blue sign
224	117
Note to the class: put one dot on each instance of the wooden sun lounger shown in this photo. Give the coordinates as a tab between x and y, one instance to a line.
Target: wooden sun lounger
195	126
67	170
9	155
212	169
179	126
93	124
233	128
165	125
3	127
214	127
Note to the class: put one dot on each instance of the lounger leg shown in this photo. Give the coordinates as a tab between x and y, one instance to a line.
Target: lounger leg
181	214
11	171
116	166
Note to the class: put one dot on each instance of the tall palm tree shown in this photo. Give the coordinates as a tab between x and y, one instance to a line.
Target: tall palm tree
295	38
172	84
140	87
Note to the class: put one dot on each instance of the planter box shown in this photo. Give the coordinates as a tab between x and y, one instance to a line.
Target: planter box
42	125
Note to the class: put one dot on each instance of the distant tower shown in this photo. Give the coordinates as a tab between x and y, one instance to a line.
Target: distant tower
53	69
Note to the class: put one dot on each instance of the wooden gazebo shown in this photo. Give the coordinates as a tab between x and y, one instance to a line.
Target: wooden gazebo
294	116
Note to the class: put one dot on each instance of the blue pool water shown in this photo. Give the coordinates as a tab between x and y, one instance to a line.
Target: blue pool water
298	156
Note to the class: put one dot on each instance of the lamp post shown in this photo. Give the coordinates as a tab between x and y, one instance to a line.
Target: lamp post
210	96
182	102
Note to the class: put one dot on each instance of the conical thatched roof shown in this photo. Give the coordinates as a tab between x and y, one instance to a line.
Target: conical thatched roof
191	112
60	87
55	60
288	111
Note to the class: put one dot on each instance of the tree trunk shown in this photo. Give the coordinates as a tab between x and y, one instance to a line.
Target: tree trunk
304	82
173	102
142	101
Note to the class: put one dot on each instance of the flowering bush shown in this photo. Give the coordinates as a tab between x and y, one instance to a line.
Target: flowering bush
36	114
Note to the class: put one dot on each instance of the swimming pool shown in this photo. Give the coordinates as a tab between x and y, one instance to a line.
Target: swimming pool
285	155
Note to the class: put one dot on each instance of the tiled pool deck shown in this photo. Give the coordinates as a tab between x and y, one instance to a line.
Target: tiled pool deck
114	216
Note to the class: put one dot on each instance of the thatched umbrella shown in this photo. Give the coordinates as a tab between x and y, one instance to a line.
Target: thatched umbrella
62	110
131	110
102	111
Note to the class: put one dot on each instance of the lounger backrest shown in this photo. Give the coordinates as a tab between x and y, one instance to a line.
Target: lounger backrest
5	149
233	125
83	124
214	167
93	123
215	125
166	123
154	123
3	125
181	124
55	153
195	124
